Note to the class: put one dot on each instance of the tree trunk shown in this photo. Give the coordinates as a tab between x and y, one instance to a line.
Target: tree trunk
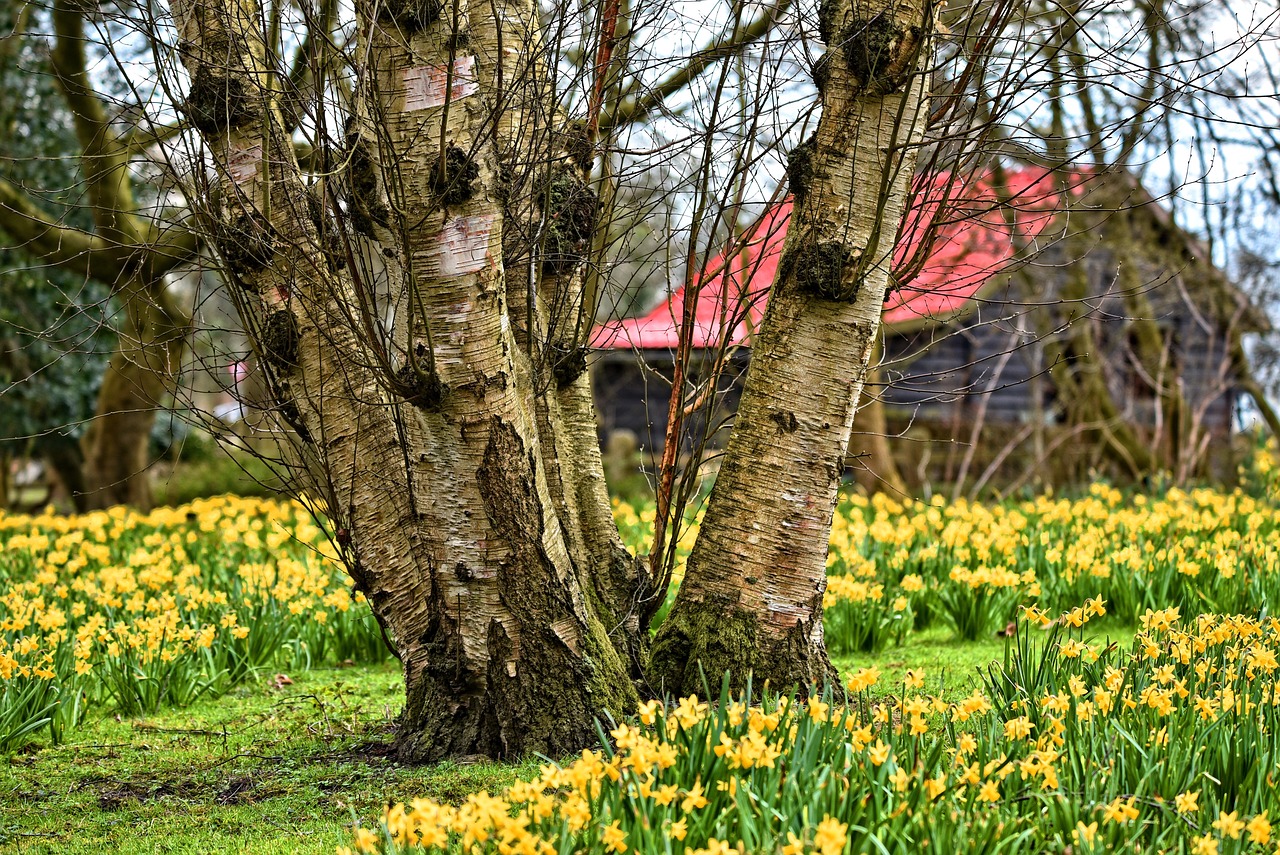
548	163
1249	385
1081	383
751	601
138	377
65	458
430	452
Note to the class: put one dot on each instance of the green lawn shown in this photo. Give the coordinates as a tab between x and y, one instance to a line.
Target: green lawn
261	770
270	769
951	669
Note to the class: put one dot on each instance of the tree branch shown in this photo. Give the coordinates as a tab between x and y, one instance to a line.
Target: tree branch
106	157
41	235
309	58
87	254
140	140
10	41
638	106
172	246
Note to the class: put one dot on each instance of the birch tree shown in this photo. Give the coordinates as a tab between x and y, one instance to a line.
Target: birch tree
439	396
751	601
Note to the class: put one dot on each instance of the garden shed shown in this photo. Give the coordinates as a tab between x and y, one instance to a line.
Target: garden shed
1040	323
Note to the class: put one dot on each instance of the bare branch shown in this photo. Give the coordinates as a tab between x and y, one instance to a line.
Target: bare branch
81	252
10	41
638	106
43	236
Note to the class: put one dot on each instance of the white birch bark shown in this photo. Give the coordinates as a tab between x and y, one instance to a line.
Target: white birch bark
751	600
439	491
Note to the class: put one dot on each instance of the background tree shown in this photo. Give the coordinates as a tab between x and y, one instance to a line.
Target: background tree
54	331
1139	107
52	335
93	228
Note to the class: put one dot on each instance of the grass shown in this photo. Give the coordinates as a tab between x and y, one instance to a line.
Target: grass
279	767
951	669
261	770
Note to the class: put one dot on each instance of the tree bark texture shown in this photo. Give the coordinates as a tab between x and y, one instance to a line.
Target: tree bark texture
751	600
431	452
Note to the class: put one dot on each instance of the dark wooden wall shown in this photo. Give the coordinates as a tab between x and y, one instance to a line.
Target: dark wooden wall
992	363
633	387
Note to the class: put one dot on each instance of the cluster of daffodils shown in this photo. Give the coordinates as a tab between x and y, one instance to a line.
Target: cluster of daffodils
1073	745
857	614
142	610
980	562
899	566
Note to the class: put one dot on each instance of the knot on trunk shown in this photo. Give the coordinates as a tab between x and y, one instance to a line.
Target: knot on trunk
821	73
219	99
786	421
800	168
247	244
289	412
279	339
411	15
828	20
424	389
569	365
827	270
879	52
577	144
570	208
367	208
453	176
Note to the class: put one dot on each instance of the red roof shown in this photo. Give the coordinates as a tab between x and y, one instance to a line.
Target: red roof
973	240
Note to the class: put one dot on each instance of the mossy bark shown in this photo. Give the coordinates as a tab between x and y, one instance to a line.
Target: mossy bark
751	600
698	646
